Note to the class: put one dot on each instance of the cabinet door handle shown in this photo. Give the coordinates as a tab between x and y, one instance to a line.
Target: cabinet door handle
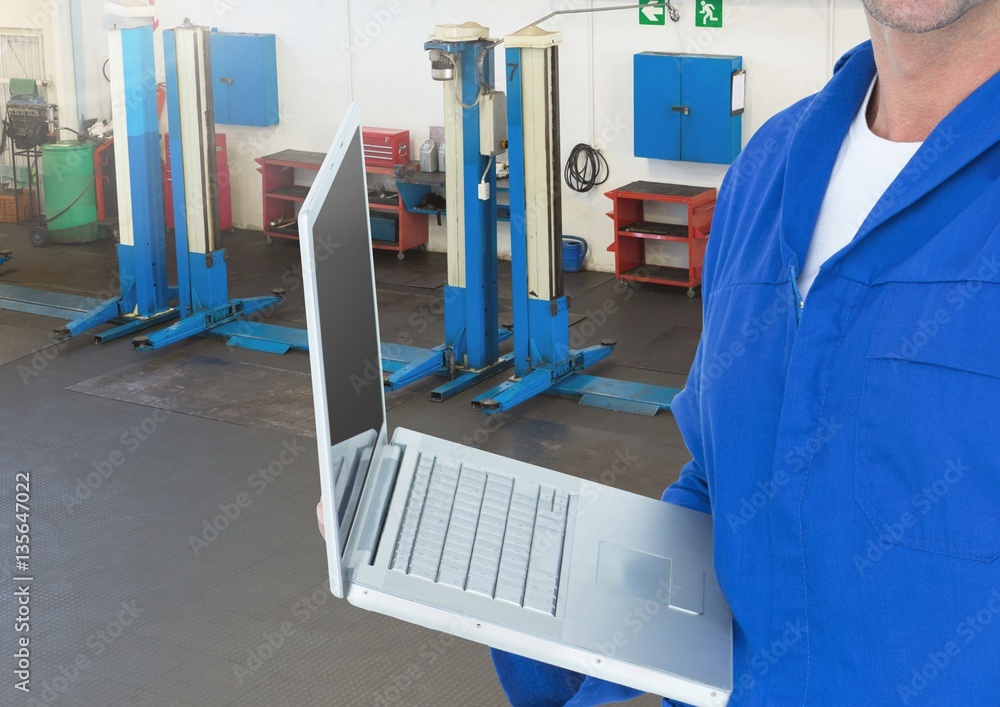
228	82
677	109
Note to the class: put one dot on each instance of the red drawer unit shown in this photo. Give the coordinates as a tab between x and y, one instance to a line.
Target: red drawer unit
386	147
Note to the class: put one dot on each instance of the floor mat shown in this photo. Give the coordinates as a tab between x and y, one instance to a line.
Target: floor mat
242	393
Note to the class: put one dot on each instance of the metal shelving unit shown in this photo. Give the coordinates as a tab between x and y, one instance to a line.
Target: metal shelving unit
633	230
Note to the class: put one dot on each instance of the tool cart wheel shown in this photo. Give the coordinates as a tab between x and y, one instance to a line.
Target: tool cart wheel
400	255
39	236
691	292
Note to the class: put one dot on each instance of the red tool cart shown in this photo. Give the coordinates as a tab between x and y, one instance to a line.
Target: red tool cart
633	230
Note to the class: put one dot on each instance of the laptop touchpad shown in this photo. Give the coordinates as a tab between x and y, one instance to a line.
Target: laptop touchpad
650	577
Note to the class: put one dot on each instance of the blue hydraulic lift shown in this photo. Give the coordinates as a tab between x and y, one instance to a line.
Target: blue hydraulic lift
462	58
203	284
144	296
543	359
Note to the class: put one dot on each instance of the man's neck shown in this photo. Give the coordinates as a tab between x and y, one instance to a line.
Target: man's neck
923	77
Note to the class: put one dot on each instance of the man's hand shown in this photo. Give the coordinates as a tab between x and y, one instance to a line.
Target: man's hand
319	518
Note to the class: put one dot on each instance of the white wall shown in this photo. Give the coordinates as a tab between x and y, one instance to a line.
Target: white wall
330	51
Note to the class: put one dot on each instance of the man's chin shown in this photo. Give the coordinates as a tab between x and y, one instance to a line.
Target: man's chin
914	17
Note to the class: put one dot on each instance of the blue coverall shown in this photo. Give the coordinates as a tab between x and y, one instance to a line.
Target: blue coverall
848	449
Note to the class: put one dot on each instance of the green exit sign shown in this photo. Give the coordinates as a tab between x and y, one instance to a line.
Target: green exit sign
652	12
708	13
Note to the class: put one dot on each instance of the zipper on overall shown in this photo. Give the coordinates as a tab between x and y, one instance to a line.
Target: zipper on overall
797	295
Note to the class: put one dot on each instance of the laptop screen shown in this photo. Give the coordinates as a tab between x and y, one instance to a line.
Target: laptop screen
347	311
343	319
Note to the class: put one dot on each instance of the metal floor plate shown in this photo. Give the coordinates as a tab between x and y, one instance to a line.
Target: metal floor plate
269	398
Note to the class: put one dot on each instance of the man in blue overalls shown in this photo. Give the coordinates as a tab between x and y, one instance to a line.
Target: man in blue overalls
853	275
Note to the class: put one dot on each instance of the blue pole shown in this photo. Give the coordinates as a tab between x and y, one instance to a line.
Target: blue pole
149	250
518	215
481	316
177	173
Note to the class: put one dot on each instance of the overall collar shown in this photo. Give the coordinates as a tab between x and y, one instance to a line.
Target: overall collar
963	135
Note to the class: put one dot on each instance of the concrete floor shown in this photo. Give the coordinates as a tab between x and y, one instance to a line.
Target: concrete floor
138	600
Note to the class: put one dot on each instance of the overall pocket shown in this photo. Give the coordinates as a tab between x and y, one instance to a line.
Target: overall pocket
927	471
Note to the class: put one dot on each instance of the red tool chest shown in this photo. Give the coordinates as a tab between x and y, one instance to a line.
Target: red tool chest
385	147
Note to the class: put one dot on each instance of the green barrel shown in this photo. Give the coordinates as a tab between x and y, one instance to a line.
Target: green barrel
70	198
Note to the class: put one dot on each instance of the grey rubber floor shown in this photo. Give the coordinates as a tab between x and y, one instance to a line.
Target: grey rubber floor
138	600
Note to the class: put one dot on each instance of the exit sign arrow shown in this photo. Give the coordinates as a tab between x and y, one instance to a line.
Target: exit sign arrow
652	14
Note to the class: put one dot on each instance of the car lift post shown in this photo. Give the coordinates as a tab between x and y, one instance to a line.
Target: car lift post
543	359
461	56
144	297
203	284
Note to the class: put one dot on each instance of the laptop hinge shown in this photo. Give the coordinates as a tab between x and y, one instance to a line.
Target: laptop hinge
382	482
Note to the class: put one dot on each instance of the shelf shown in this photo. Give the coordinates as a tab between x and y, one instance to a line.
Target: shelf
652	229
280	195
661	275
285	231
427	179
290	193
429	212
656	191
296	159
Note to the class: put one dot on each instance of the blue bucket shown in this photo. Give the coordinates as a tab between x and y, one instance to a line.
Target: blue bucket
574	250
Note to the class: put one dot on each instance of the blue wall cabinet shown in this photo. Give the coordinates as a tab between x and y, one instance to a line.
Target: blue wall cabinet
689	107
244	79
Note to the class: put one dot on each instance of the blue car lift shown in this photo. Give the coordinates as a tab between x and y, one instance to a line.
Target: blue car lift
203	285
5	257
543	359
461	56
144	298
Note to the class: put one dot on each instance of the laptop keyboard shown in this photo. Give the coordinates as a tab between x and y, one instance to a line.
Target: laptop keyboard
484	533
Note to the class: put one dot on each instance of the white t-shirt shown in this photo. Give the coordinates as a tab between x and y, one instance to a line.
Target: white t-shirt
866	166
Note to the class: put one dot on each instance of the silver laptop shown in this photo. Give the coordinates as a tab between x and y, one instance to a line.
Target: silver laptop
521	558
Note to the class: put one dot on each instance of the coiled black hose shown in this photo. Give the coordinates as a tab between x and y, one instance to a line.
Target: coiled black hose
584	168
